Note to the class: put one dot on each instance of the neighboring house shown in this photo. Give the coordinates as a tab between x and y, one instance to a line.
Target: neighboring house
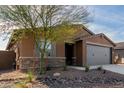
119	51
88	49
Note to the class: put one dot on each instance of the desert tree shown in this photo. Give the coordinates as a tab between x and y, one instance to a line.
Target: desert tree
46	23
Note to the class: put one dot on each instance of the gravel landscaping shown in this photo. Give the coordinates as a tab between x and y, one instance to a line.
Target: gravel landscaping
81	79
67	79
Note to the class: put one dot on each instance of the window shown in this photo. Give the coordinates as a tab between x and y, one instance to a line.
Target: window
49	52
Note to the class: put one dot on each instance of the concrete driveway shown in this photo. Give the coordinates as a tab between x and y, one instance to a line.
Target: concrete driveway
117	68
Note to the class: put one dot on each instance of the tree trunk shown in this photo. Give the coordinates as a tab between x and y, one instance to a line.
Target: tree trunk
42	64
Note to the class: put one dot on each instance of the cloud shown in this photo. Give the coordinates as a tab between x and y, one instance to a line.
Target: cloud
108	14
112	18
108	20
112	33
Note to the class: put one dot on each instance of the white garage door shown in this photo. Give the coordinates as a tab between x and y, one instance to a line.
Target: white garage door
97	55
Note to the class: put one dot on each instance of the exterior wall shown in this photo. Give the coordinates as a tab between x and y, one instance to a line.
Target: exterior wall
74	50
27	47
113	56
99	40
15	49
74	55
7	60
25	57
84	52
120	52
79	53
60	49
119	56
82	32
33	62
25	50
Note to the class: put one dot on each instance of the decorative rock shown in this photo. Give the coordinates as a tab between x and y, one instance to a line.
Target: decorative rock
79	81
72	79
56	74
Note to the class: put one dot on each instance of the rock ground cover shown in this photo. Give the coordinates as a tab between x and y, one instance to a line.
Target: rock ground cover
58	78
77	79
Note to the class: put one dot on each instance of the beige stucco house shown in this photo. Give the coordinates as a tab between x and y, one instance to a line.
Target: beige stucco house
88	49
119	52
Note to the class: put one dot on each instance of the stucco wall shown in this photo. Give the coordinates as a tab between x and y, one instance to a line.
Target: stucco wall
27	47
119	56
60	46
99	40
7	59
60	49
79	53
120	52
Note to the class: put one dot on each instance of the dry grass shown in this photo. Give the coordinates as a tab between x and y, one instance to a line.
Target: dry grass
11	75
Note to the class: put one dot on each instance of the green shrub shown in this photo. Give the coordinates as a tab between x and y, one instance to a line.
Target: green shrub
87	68
30	76
21	85
28	80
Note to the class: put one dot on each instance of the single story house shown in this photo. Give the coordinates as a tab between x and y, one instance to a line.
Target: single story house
119	52
88	49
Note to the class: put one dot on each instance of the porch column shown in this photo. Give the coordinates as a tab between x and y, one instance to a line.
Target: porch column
84	53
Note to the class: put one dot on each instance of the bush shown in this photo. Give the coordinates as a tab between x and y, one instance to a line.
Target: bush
21	85
100	68
30	76
87	68
27	82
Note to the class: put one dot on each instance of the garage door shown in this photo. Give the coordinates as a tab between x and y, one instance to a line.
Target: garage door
97	55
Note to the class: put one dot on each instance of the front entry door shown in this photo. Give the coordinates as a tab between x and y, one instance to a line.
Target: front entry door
69	53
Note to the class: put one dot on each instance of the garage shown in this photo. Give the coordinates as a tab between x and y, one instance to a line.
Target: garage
98	55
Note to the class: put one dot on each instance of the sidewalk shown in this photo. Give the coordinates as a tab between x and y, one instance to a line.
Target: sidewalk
117	68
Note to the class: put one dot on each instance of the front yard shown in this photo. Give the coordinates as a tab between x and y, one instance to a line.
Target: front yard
58	78
10	79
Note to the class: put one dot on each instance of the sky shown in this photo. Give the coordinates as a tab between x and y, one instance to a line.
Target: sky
4	39
108	20
105	19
